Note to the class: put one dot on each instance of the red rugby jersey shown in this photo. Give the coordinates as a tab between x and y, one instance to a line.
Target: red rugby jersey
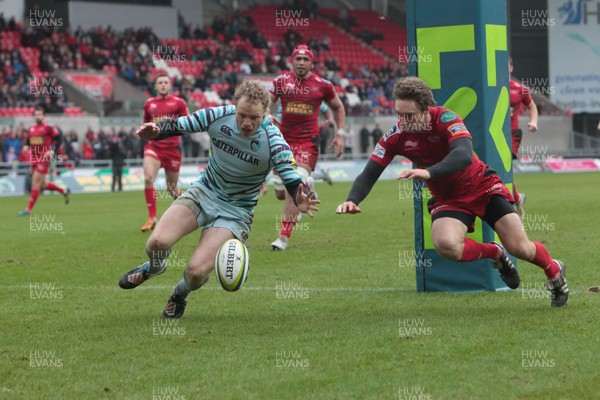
300	102
158	108
430	147
519	97
40	138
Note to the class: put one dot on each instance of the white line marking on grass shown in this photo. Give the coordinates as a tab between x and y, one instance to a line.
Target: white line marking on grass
271	289
252	288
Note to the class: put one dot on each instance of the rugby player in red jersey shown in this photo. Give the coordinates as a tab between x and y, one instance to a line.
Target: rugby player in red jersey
520	98
301	92
463	187
165	153
44	142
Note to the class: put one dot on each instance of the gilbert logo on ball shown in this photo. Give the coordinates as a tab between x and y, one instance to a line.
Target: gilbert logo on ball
232	264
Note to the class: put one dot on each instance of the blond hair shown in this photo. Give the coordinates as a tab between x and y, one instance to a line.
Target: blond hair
254	91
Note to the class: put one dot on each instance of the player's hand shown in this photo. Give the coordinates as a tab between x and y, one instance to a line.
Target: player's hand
148	131
347	207
419	174
338	143
48	155
305	202
532	126
274	120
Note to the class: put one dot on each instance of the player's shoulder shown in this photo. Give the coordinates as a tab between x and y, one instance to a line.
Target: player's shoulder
283	76
178	100
448	121
320	80
227	109
515	85
270	128
150	100
392	136
443	115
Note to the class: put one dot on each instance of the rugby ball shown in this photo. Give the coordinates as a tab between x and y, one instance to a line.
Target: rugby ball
232	264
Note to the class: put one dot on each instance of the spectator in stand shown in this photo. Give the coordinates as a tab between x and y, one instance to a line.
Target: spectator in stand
11	156
365	140
12	141
2	145
343	18
349	142
365	35
324	134
292	39
377	134
87	149
118	153
72	146
325	42
24	154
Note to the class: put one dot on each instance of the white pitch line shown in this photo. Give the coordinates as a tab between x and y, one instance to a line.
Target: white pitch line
259	289
252	288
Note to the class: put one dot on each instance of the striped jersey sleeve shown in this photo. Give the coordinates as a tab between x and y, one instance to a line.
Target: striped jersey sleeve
281	156
200	120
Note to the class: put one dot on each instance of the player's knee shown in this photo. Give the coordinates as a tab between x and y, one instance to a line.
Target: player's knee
449	249
197	272
148	181
194	279
156	242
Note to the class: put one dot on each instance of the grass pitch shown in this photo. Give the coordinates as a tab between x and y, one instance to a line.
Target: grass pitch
336	316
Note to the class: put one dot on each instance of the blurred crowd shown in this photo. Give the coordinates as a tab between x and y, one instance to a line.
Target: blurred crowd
104	144
130	54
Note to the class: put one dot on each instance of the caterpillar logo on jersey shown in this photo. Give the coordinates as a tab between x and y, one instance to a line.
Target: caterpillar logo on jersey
234	152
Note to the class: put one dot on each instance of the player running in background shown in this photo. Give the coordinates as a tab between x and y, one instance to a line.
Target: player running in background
245	146
301	92
44	142
519	98
319	173
463	187
161	154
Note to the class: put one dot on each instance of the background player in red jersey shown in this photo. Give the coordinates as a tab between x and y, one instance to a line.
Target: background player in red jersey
519	98
161	154
44	141
462	186
301	92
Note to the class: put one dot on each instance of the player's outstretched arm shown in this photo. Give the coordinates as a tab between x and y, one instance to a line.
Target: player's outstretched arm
305	202
147	131
347	207
360	188
533	117
459	157
339	114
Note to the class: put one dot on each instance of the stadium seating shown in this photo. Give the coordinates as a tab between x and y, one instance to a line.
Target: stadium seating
346	49
394	37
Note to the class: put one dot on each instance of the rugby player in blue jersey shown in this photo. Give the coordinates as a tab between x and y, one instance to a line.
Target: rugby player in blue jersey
245	146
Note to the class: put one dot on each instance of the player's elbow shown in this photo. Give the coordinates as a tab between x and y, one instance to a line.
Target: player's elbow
465	160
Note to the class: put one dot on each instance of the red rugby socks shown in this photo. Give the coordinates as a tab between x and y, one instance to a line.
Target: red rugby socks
150	194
